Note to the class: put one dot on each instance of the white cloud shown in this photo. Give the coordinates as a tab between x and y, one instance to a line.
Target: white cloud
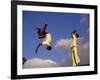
63	44
83	52
40	63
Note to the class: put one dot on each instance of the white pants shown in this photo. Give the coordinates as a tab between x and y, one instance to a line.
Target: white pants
75	57
46	43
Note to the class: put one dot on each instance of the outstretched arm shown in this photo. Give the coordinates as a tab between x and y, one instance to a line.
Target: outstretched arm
45	26
36	50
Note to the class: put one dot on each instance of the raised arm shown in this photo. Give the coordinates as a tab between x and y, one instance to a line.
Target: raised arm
75	33
45	26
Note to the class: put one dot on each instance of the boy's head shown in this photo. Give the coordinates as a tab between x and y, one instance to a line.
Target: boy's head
74	31
40	33
49	48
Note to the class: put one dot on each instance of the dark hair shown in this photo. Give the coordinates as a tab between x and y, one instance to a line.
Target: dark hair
49	48
74	31
77	35
38	30
24	60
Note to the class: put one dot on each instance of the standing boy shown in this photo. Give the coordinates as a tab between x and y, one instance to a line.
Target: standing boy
74	49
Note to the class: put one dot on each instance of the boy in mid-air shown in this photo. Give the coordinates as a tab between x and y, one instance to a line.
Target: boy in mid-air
41	32
75	57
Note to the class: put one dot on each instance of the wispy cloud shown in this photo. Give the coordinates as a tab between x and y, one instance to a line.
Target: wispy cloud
84	20
84	53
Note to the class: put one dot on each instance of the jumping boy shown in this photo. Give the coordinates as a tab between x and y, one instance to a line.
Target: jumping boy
41	32
75	57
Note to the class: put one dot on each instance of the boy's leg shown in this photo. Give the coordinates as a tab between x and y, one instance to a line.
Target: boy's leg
73	58
40	44
76	55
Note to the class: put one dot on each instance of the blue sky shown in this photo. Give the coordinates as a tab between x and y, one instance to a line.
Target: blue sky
60	25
